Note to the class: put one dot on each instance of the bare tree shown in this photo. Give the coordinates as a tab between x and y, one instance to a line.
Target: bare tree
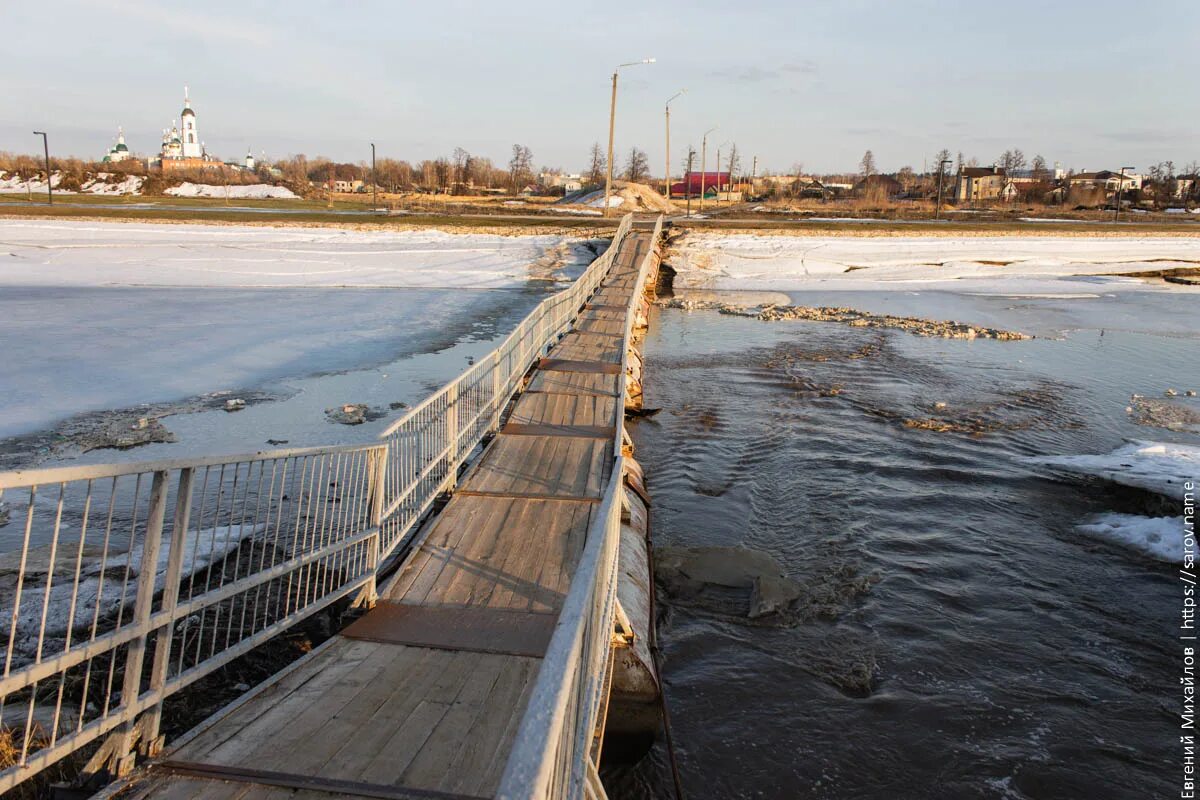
866	167
597	166
442	173
463	170
520	167
637	167
1012	161
734	162
907	178
1039	170
942	155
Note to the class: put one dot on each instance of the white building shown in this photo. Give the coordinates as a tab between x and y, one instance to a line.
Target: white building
182	147
192	147
118	152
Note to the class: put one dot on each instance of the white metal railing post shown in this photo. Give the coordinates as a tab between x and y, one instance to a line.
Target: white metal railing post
121	760
379	456
452	436
498	394
151	740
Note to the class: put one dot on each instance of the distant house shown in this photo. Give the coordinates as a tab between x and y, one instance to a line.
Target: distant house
983	184
348	186
713	182
1105	179
1185	186
876	184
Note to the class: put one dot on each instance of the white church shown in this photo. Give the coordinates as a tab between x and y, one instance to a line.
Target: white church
182	147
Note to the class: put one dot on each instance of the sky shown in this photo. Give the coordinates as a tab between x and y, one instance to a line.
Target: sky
1092	84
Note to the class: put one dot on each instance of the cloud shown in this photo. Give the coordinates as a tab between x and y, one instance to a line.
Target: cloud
754	74
801	67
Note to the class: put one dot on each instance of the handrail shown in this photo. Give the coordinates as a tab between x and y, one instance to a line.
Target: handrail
221	552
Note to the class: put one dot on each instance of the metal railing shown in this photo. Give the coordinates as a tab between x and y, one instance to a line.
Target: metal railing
154	575
427	445
556	751
129	582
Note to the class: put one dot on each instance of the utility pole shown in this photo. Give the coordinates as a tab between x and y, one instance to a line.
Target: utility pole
49	179
374	183
667	173
937	214
717	199
612	118
704	166
1120	193
688	179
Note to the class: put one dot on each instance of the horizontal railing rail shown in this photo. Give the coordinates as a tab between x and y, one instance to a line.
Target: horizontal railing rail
128	582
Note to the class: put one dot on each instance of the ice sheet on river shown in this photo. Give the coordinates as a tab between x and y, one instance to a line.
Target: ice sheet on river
98	594
45	253
1157	537
993	264
1161	467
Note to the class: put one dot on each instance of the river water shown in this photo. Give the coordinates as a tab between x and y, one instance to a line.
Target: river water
966	640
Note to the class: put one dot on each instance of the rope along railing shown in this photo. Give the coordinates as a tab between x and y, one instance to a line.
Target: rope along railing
129	582
555	754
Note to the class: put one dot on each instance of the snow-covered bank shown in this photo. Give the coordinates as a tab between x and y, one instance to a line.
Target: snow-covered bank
255	191
1160	467
117	254
990	264
102	183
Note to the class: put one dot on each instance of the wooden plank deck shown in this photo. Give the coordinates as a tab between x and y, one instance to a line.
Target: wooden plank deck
374	715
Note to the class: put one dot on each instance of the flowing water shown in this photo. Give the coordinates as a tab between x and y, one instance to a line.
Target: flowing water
961	638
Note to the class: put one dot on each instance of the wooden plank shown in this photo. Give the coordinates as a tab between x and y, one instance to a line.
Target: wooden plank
545	408
588	347
277	739
598	367
497	556
406	741
559	382
542	466
470	711
472	769
271	708
270	779
464	530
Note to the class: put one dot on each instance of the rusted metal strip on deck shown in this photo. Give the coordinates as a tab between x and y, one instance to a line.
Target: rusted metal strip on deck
473	628
587	431
290	780
529	496
565	365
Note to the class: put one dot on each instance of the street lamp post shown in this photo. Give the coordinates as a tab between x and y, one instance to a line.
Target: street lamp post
374	183
704	165
1120	193
612	117
717	200
937	213
687	181
49	179
667	172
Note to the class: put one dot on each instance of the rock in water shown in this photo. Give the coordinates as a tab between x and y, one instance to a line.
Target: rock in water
688	571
